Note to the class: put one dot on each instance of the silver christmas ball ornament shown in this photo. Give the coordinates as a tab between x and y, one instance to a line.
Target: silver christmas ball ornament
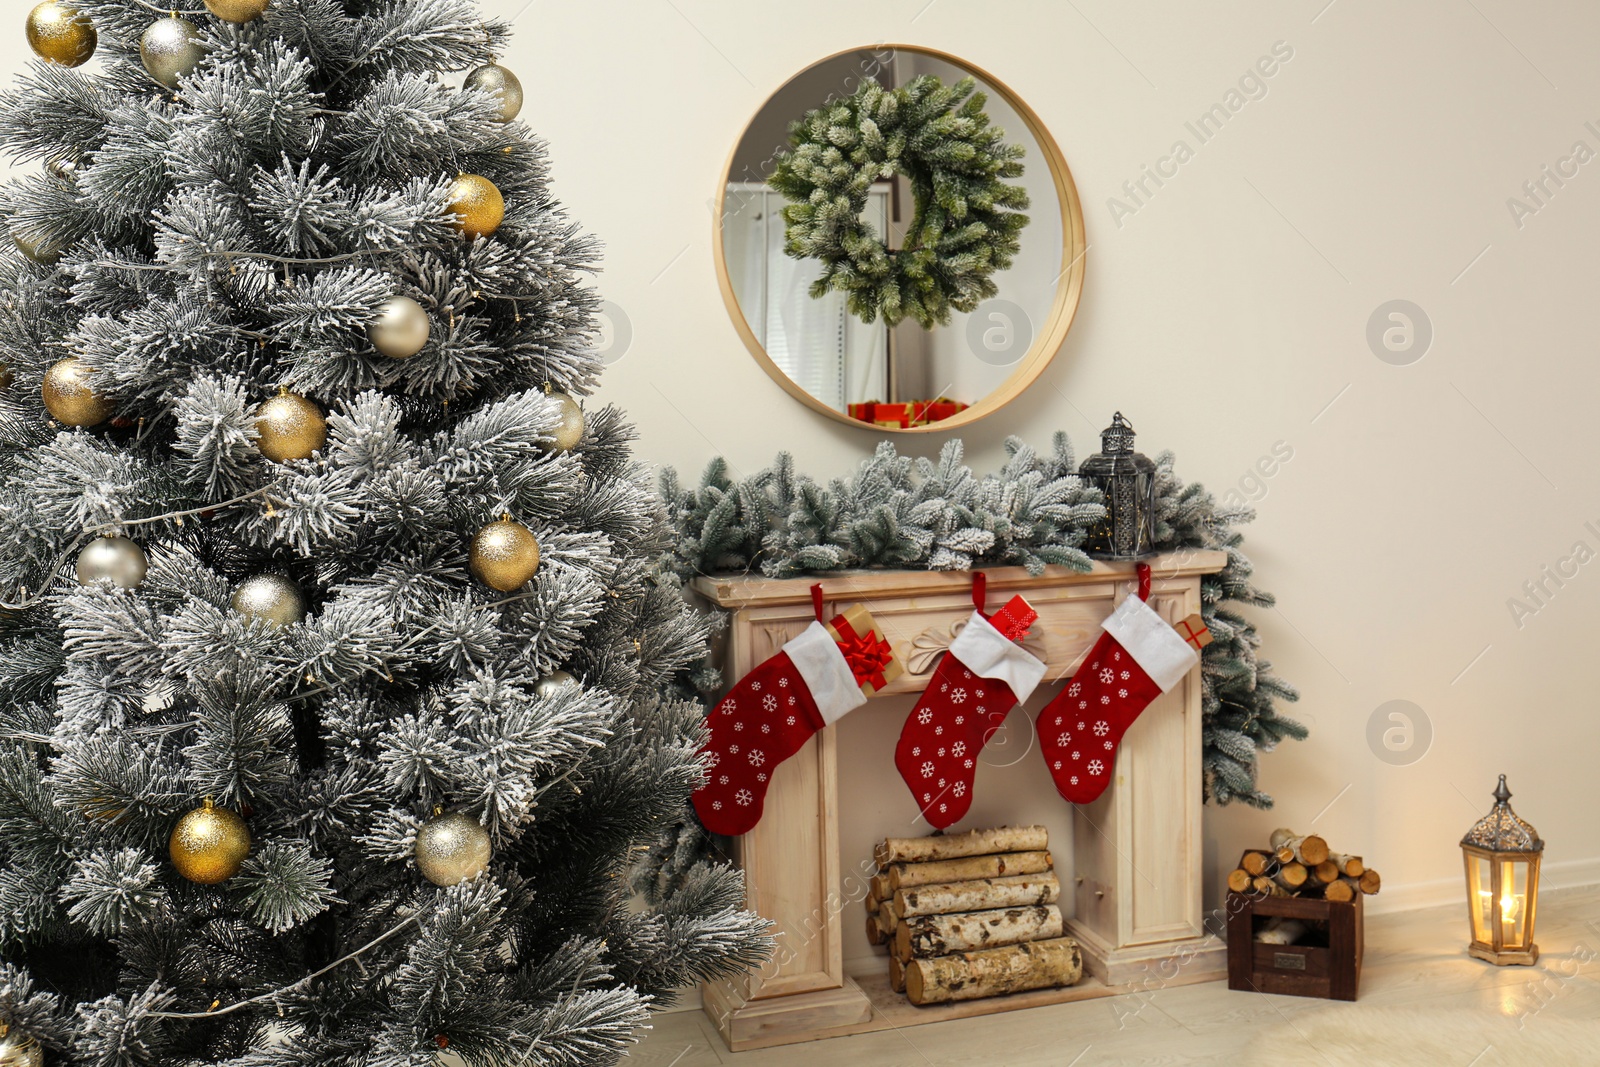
171	48
401	329
272	598
113	559
554	683
452	848
500	83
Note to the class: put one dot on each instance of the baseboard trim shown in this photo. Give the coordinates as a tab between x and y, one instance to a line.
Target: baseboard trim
1553	877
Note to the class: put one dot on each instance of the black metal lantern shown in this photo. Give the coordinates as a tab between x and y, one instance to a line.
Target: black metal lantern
1128	481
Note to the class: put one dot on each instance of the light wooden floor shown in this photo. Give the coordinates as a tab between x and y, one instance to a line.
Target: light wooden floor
1414	959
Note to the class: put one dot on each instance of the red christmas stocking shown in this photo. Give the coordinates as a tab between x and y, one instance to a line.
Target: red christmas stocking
983	676
1136	659
813	681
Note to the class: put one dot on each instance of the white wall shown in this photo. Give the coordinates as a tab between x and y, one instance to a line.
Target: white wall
1223	316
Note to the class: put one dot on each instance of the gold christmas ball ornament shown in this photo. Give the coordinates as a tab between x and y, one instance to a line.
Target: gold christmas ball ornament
271	598
61	34
170	49
209	844
40	250
290	427
112	559
500	83
452	848
19	1050
570	430
70	396
236	10
504	555
553	683
402	328
476	204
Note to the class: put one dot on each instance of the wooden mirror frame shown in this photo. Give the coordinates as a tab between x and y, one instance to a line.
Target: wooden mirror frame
1069	284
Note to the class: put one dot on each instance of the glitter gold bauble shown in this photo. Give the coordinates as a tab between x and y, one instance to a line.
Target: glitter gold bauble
476	204
501	84
452	848
290	427
209	844
553	683
70	396
236	10
113	559
41	251
402	328
504	555
569	431
19	1050
271	598
170	49
61	34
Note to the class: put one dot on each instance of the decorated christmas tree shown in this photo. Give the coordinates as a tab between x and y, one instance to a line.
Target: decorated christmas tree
334	667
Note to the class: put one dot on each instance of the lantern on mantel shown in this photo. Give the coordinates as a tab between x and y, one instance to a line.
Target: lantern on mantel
1128	481
1502	854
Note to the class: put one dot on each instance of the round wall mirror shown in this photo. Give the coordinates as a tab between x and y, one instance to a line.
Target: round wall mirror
801	315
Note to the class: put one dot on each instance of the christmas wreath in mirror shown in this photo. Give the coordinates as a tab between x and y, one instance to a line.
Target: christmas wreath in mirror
899	241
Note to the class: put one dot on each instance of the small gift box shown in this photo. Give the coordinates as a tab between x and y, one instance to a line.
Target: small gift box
871	660
1193	630
863	412
941	408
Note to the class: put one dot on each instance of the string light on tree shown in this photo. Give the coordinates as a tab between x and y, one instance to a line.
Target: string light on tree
209	844
18	1049
112	559
402	328
70	395
271	598
170	49
500	83
554	683
504	555
61	34
569	431
236	10
290	427
477	205
452	848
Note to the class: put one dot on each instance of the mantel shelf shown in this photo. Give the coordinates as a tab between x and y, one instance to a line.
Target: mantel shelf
751	590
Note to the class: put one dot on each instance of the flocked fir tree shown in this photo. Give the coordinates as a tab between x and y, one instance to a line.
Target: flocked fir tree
894	511
334	669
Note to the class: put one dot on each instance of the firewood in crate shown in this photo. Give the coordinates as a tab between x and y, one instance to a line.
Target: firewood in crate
940	935
1370	882
1308	849
1342	891
980	894
897	974
1263	884
1280	931
955	846
1348	865
1291	876
994	972
1259	863
1323	873
908	875
1239	880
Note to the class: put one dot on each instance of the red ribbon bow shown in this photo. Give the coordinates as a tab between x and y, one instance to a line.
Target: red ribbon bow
868	654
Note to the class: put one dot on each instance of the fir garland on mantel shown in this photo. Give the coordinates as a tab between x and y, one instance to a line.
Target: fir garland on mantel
899	512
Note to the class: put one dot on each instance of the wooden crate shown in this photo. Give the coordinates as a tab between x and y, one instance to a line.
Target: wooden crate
1326	965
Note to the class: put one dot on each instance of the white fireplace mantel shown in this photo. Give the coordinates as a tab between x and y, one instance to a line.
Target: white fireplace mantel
1136	863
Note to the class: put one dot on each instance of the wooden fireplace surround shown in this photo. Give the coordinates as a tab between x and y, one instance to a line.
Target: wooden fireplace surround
1136	863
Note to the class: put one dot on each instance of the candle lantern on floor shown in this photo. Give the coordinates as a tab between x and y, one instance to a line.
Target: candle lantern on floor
1502	854
1128	481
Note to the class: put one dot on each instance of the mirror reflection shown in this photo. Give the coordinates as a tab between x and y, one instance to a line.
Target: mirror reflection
859	366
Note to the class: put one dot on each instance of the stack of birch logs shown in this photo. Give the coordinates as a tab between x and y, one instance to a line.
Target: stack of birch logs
970	915
1302	865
